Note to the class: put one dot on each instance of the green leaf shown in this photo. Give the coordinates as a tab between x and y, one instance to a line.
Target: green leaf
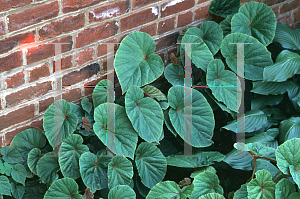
239	160
202	169
121	192
226	25
33	157
169	189
212	196
34	190
145	114
71	150
205	158
5	168
47	168
19	173
284	188
257	149
289	129
212	35
154	93
264	138
151	164
262	186
201	55
100	92
11	155
120	172
206	182
63	188
174	74
86	105
254	120
4	185
59	122
287	37
221	83
203	119
92	172
78	111
241	193
125	136
168	123
265	164
17	190
261	101
249	21
256	55
135	63
224	7
270	88
286	66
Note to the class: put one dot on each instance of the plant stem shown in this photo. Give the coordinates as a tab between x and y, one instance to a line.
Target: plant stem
89	136
181	55
280	177
276	175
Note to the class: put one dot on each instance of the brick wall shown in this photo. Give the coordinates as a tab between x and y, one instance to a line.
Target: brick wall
27	27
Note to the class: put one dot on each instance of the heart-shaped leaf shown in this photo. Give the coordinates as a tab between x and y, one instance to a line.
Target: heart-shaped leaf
241	193
224	7
125	136
257	149
59	122
202	124
19	173
287	37
86	105
71	150
262	186
135	63
17	190
121	192
154	93
33	157
284	188
100	92
47	168
168	123
151	164
63	188
249	21
202	169
4	186
11	155
226	25
145	114
289	129
212	35
222	83
174	74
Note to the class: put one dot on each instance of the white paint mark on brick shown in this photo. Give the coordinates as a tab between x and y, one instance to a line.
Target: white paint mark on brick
163	24
116	23
155	10
107	13
172	3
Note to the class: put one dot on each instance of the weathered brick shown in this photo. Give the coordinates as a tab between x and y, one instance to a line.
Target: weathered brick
166	41
97	33
67	62
61	26
15	80
184	19
77	76
162	56
285	18
295	25
33	15
44	104
44	51
102	48
297	15
0	106
72	95
88	87
2	28
72	5
140	3
272	2
8	4
11	42
151	29
289	6
276	10
175	6
38	73
201	12
17	116
84	56
166	25
201	1
139	18
28	93
109	11
11	61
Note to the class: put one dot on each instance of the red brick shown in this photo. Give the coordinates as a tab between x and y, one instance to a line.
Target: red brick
201	1
17	116
44	51
172	7
15	80
184	19
201	12
2	28
88	88
109	11
11	42
138	19
72	5
62	26
77	76
162	56
289	6
38	73
166	41
32	16
272	2
102	48
295	25
11	61
84	56
297	15
151	29
166	25
44	104
285	19
72	95
97	33
276	10
140	3
67	62
8	4
28	93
